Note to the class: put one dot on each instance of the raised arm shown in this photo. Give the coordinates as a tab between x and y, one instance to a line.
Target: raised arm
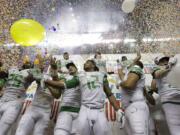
58	84
133	77
138	57
113	102
62	84
120	71
110	95
54	91
160	72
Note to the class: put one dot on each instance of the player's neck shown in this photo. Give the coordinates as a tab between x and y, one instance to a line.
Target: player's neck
90	70
73	74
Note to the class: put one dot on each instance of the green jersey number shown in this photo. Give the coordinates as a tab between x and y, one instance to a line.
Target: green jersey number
15	80
92	82
92	85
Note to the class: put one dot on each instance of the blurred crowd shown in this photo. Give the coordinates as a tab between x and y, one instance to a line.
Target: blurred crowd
10	56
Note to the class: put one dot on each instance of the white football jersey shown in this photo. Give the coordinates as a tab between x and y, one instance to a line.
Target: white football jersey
166	91
71	96
129	96
91	85
43	97
14	87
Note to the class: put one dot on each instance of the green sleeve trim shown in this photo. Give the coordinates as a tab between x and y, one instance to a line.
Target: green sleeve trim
36	72
136	70
58	63
105	80
74	82
2	82
62	77
154	70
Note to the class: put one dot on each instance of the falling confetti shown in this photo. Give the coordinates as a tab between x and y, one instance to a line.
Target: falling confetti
153	24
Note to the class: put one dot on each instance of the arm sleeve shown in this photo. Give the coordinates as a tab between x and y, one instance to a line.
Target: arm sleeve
107	90
58	63
74	82
105	80
61	77
154	70
136	70
36	74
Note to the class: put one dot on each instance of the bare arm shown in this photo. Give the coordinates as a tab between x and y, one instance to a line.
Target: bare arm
64	84
54	91
58	84
131	81
120	70
138	57
28	80
110	96
121	74
160	73
149	97
154	86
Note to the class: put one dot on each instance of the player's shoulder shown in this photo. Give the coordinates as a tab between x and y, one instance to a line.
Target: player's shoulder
13	70
156	68
24	72
70	61
70	77
137	70
33	70
81	74
61	76
103	74
98	73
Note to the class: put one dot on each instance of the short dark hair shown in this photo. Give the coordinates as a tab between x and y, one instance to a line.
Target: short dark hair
97	53
27	66
96	68
94	63
123	58
70	64
65	53
140	64
54	66
165	58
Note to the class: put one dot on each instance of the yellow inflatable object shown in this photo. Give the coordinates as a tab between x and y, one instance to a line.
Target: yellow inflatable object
26	59
36	62
27	32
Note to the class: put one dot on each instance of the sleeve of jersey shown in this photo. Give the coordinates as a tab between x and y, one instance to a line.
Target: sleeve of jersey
61	77
36	74
136	70
154	70
74	82
2	82
105	80
58	63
